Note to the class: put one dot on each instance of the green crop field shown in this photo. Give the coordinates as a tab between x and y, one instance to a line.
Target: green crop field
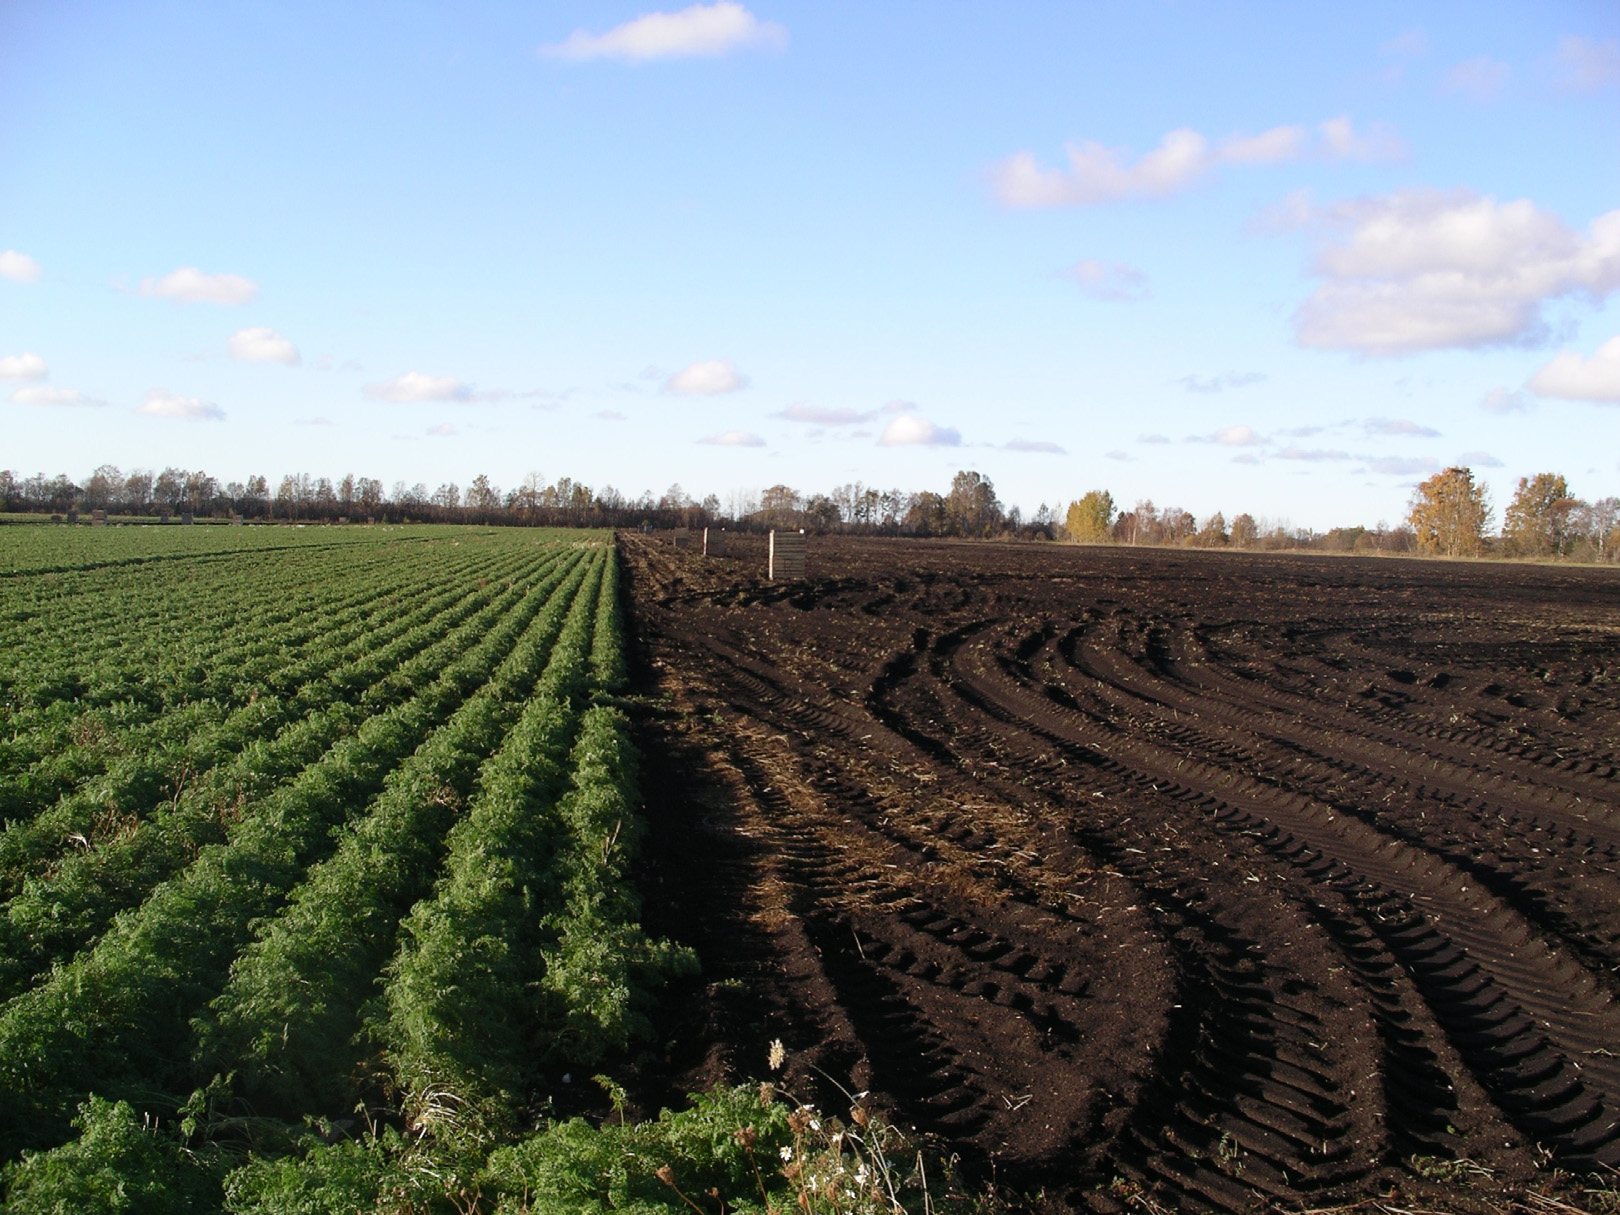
298	820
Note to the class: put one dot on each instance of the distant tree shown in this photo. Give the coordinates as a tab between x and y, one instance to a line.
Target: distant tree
1598	525
971	507
1449	514
926	516
1537	521
1176	526
1245	532
1089	519
104	487
447	496
169	488
1213	534
482	496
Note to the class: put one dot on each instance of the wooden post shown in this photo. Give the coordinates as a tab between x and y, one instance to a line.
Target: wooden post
786	556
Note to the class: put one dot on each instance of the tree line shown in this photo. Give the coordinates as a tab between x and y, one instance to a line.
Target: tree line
1450	514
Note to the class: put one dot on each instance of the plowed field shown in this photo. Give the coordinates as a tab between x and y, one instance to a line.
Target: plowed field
1152	876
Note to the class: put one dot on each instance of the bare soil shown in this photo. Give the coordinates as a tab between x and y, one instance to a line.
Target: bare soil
1205	880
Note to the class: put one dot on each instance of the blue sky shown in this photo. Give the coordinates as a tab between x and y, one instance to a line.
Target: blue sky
1282	259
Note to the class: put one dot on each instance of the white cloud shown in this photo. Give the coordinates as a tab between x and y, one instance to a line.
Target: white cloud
42	395
1116	454
18	267
706	379
1407	45
1220	383
824	415
700	30
261	344
1034	445
1399	426
734	438
419	386
23	367
189	285
1581	379
162	405
912	430
1097	174
1481	79
1427	270
1505	400
1480	459
1585	66
1113	281
611	415
1153	438
443	430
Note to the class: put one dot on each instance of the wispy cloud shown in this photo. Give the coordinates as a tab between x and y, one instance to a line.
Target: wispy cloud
444	430
23	367
1096	174
1033	446
1480	459
262	344
1399	426
708	378
1576	378
825	415
1116	454
611	415
51	397
1311	455
189	285
913	430
1583	65
1115	282
1506	400
1222	382
18	267
1231	436
1402	466
162	405
734	438
1153	438
1481	79
702	30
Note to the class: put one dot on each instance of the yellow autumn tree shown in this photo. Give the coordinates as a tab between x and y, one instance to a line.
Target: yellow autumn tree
1089	520
1450	513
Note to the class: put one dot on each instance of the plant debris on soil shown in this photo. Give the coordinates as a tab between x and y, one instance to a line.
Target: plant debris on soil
1150	879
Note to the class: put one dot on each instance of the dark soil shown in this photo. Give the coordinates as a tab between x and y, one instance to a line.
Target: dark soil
1136	877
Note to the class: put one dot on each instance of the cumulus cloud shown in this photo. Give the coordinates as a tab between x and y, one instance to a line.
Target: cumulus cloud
824	415
734	438
1220	383
1116	454
1429	269
1480	459
162	405
189	285
1575	378
706	30
41	395
1034	445
1586	66
912	430
18	267
1112	281
1399	426
708	378
261	344
1481	79
1096	174
419	386
22	367
1506	400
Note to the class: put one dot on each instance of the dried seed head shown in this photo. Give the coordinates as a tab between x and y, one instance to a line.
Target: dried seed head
767	1093
859	1116
747	1136
666	1175
778	1055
